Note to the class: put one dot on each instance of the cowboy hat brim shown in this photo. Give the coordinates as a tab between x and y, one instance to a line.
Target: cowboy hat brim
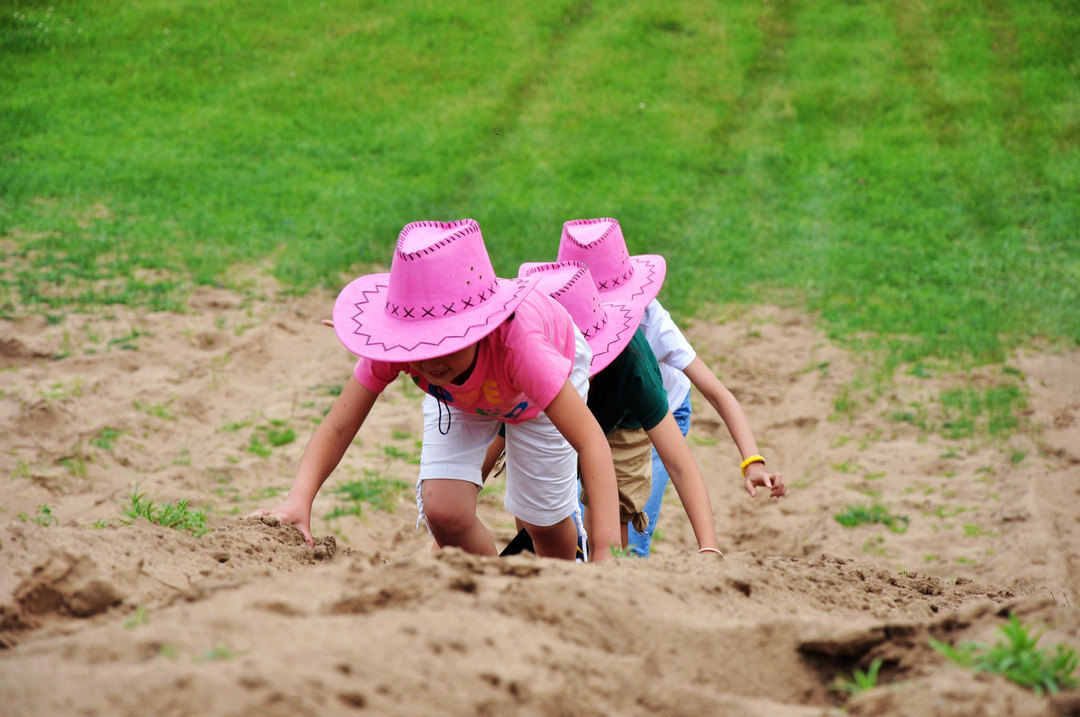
607	343
366	328
615	327
642	287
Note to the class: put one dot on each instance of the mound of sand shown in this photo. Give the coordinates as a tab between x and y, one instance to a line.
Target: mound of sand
102	614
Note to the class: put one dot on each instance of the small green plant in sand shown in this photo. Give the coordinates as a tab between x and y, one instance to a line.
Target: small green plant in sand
330	389
993	411
75	464
127	343
234	426
844	406
104	439
875	513
218	652
950	511
60	390
170	515
876	546
974	531
266	437
139	617
159	410
256	446
44	517
379	492
860	681
1017	659
394	452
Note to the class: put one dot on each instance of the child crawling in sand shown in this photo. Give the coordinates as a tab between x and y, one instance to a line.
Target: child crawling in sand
488	352
621	277
627	397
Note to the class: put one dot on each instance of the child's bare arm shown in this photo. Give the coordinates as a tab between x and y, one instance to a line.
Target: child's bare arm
576	423
686	476
725	403
323	453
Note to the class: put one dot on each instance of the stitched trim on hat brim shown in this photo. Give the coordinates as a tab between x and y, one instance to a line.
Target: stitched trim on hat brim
655	268
413	337
630	319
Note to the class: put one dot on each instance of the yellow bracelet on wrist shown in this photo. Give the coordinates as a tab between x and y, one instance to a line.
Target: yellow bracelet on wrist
748	461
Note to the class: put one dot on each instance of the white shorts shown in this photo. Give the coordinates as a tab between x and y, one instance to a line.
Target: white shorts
541	466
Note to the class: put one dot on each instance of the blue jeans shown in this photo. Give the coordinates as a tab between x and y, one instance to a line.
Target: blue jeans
639	542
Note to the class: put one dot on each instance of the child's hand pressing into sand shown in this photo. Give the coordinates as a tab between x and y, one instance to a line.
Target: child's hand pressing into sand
758	476
295	514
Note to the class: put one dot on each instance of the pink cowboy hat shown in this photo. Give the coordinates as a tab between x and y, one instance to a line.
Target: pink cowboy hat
607	326
619	277
440	296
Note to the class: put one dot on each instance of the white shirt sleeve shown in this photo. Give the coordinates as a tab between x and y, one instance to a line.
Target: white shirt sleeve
673	351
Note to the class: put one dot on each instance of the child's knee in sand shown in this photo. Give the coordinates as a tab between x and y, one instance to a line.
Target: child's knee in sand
449	505
554	541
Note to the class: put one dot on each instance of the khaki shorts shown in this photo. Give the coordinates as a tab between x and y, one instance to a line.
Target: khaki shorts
631	451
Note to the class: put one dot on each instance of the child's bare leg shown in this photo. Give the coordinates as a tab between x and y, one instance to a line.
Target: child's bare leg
450	511
623	530
554	541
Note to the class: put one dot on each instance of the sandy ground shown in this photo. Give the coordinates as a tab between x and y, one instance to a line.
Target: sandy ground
103	617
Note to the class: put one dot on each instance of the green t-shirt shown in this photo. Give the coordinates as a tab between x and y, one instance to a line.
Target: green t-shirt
629	392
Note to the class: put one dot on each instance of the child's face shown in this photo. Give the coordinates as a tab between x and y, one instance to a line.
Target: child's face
447	369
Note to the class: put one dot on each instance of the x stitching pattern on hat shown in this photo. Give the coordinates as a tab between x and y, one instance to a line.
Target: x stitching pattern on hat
607	326
599	244
422	312
441	295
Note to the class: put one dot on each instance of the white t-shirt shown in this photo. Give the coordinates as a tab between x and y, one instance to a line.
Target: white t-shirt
673	351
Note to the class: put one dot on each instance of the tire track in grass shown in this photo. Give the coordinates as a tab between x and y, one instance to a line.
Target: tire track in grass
979	84
1015	79
507	113
742	165
1017	123
919	52
518	95
776	25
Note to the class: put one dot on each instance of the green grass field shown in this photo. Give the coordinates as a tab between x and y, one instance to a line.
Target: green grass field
909	170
